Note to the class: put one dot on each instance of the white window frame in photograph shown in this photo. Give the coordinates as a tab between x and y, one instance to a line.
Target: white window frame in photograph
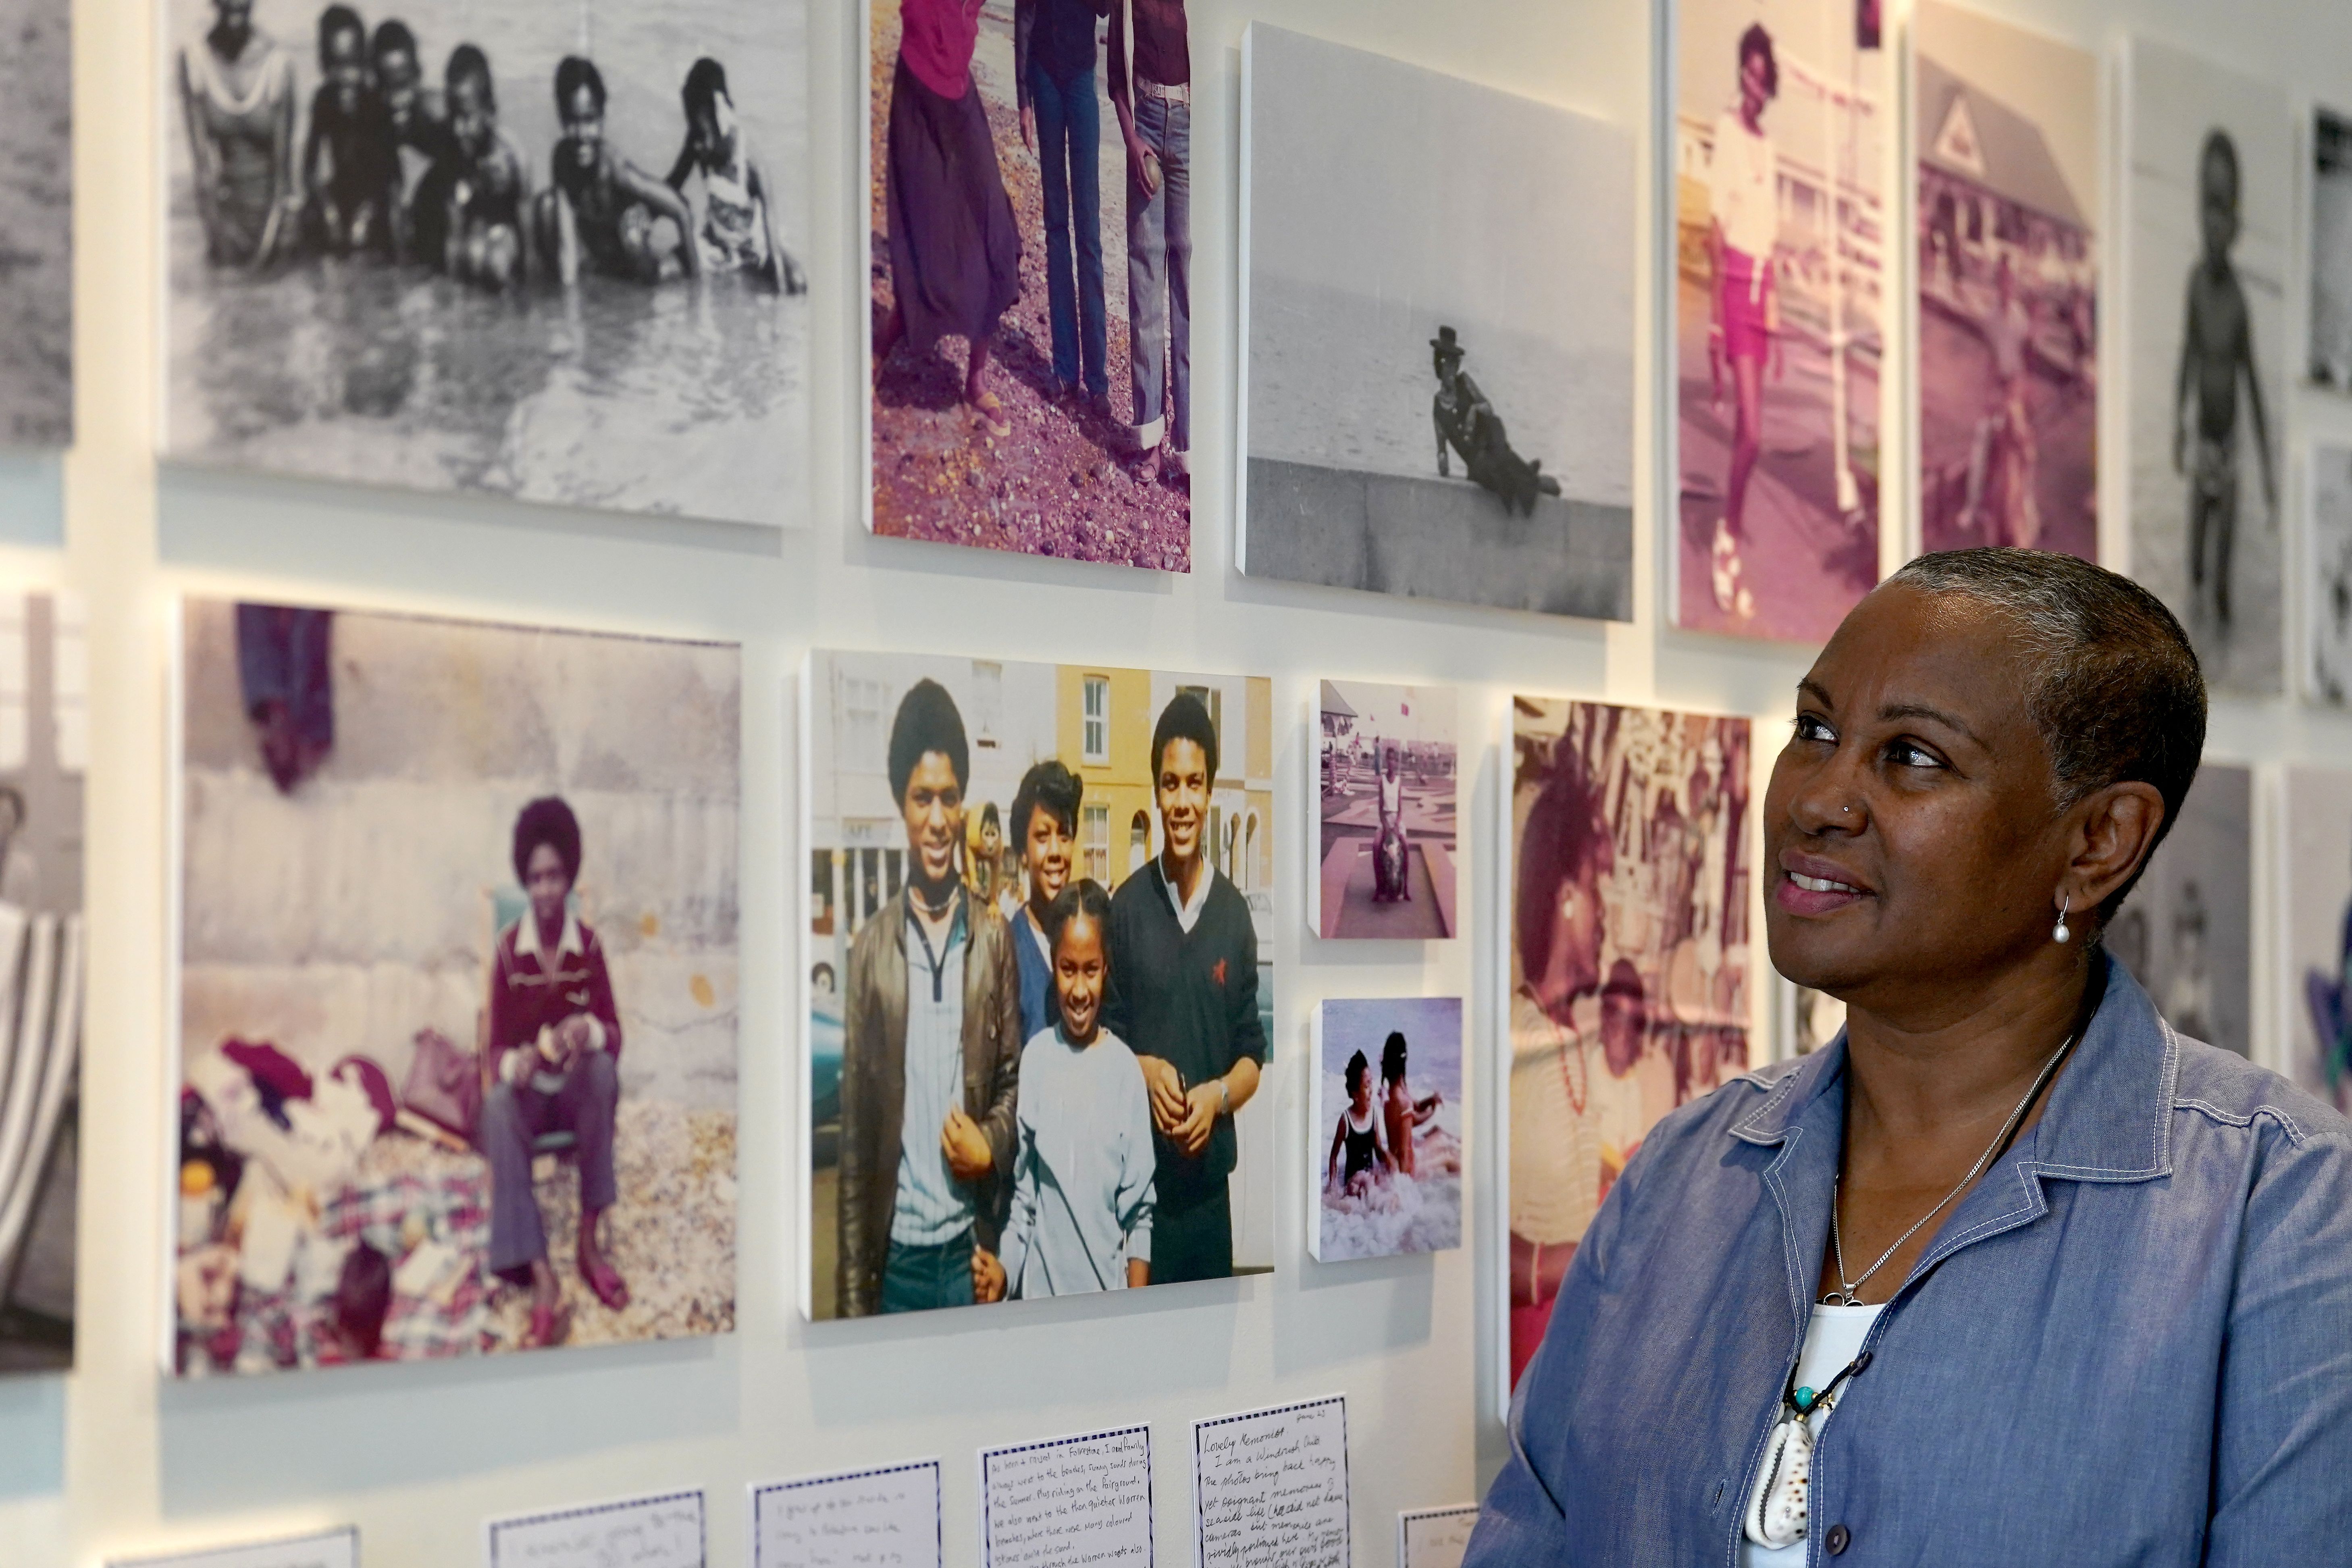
1095	835
1094	729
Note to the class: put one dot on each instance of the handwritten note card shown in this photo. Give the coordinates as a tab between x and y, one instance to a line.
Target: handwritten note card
1072	1501
644	1532
866	1519
1434	1537
1270	1487
329	1549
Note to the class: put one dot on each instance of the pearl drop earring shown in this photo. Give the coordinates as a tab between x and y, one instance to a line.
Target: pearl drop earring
2060	934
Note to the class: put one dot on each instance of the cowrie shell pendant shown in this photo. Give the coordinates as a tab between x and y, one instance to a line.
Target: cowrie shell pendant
1776	1513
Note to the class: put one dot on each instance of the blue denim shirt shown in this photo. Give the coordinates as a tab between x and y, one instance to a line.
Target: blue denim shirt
2130	1343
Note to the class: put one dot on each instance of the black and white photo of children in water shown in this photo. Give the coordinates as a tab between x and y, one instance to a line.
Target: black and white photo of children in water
2209	209
547	251
1437	285
1386	1139
36	214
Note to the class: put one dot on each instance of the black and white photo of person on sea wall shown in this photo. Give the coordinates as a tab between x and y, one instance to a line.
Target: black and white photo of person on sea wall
1032	1079
1436	395
537	249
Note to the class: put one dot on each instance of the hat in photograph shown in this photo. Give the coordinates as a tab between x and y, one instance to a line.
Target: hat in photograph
1445	344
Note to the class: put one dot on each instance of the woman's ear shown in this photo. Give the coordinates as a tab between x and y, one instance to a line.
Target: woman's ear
2117	829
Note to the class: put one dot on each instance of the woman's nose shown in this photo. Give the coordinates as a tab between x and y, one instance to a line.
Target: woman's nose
1826	801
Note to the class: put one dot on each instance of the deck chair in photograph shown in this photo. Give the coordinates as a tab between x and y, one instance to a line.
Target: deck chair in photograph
40	1046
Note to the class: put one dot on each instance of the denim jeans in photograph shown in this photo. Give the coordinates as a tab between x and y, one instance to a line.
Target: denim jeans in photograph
917	1279
1159	277
1069	157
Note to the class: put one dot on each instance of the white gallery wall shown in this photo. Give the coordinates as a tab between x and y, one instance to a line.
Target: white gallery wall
116	1461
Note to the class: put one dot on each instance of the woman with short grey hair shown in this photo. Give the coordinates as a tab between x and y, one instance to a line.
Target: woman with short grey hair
2009	1271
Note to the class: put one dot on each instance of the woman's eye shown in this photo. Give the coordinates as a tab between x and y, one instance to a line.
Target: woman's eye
1904	754
1811	727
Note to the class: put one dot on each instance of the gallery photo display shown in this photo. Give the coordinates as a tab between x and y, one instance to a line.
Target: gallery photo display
1783	117
1387	795
543	249
1386	1132
1439	304
1040	979
1630	957
2006	127
459	988
43	760
1030	182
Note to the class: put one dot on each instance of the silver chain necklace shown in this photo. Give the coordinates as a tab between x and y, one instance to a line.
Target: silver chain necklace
1845	1296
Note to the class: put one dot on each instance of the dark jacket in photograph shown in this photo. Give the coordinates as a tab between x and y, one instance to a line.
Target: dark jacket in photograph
874	1083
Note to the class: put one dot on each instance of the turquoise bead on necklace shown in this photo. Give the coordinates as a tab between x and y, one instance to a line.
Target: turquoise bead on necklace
1803	1400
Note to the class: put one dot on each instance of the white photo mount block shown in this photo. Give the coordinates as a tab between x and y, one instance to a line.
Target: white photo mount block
1434	1537
887	1517
1068	1502
328	1549
1270	1486
664	1531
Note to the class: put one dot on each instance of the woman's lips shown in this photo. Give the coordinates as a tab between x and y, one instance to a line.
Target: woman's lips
1803	893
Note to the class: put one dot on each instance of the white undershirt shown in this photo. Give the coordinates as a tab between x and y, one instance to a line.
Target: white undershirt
1833	1338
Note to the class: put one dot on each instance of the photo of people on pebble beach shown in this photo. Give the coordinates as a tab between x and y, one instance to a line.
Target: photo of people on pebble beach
1386	1132
1438	376
546	250
1041	989
1030	177
457	989
36	214
2006	124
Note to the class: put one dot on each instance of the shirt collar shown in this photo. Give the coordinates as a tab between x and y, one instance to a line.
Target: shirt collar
570	941
1187	911
2110	1114
959	924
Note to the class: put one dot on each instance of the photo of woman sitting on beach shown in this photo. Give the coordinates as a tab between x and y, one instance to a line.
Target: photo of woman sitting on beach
1388	1179
341	214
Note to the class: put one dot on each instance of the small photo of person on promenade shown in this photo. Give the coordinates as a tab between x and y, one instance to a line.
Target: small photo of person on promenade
1387	796
458	989
1031	382
1056	1101
1782	120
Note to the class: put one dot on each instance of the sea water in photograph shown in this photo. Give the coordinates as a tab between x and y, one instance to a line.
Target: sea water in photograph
37	216
1439	299
298	344
1386	1136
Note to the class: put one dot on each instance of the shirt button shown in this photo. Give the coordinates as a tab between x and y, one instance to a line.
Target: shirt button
1837	1540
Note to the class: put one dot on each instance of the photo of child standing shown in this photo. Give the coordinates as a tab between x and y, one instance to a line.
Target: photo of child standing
2209	207
1083	1162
